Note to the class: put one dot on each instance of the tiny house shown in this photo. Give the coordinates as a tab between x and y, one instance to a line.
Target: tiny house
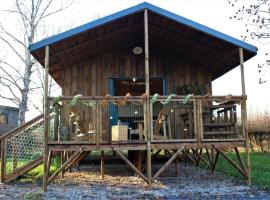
140	80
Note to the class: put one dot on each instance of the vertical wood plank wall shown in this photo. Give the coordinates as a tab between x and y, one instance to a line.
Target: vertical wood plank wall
90	77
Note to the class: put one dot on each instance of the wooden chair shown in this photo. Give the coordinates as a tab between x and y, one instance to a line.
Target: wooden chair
162	122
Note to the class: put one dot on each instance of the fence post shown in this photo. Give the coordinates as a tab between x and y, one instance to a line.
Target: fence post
3	160
98	122
199	122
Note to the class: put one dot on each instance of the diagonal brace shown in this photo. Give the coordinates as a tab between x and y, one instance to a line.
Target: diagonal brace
130	164
231	161
166	165
63	167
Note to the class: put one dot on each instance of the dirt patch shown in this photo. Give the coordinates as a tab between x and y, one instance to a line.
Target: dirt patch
120	183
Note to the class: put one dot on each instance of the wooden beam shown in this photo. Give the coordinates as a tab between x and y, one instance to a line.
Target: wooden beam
244	115
46	119
176	166
76	160
215	162
62	157
197	156
130	165
22	170
240	159
98	122
148	120
231	161
63	167
102	166
209	157
201	158
3	160
166	165
50	154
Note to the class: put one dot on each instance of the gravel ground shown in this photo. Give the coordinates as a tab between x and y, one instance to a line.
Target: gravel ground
120	183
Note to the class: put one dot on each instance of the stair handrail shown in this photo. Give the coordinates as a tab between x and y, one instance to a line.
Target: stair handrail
21	127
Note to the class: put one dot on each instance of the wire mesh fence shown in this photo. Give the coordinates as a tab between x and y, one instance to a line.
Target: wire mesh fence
25	146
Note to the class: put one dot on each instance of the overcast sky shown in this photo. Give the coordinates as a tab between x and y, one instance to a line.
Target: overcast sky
212	13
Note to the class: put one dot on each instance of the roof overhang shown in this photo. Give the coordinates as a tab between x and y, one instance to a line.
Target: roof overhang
205	46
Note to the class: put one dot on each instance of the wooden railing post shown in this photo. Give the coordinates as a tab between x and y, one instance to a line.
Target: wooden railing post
199	121
56	122
3	160
98	122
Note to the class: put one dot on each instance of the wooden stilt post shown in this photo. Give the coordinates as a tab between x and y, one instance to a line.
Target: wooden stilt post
244	115
50	154
148	120
62	162
102	165
46	120
176	166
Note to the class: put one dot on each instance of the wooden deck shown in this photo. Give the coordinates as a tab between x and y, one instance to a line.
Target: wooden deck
136	145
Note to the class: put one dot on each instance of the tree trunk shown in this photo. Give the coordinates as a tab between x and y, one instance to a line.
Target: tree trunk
23	107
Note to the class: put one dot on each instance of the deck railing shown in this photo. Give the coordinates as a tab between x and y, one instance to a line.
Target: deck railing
117	119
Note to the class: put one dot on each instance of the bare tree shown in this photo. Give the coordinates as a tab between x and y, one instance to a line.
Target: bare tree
256	16
18	66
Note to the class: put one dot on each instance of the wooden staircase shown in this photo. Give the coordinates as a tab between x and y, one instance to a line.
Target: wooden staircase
22	149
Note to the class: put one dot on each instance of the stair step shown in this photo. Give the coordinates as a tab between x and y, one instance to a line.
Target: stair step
217	124
219	133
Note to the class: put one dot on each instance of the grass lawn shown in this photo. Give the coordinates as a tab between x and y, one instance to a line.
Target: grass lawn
260	167
35	174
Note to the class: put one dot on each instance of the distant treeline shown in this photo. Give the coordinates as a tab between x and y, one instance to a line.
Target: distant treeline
259	131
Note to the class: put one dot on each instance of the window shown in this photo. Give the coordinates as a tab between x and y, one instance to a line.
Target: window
3	118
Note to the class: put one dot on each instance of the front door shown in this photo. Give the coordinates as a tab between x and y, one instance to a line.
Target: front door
135	87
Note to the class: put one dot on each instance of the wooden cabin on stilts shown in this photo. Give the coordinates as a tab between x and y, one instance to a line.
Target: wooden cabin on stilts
140	80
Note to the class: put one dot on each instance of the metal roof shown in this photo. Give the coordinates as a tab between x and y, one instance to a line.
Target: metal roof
137	8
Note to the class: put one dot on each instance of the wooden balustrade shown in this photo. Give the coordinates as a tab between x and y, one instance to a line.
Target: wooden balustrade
199	119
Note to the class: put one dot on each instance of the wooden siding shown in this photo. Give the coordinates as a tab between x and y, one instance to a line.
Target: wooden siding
91	77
